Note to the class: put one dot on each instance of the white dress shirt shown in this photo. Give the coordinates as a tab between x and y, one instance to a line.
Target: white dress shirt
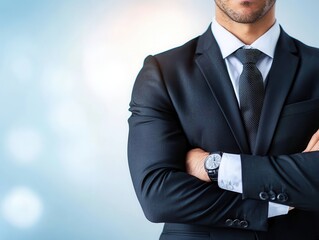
229	174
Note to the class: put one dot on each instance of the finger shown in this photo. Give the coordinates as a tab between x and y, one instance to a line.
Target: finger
314	139
315	147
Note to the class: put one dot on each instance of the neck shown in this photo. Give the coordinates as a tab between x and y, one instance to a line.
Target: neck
246	32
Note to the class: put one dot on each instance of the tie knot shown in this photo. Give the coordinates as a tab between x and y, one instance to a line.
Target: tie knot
248	55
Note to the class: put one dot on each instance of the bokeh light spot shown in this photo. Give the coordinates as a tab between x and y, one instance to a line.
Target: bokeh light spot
22	208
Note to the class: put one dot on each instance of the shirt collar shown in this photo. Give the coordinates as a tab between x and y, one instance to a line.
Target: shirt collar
228	43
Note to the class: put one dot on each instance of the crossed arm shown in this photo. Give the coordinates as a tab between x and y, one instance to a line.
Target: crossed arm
195	158
169	192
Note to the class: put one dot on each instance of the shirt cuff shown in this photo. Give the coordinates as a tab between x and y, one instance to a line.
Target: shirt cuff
276	209
229	173
230	178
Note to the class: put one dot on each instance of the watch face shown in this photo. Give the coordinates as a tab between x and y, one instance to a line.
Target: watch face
212	161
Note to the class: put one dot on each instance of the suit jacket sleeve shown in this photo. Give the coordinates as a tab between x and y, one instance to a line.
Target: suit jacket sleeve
292	180
157	148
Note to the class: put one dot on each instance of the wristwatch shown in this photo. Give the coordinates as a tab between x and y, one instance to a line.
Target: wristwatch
211	164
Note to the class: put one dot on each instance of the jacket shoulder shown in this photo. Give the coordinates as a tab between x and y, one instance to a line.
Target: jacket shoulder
181	53
306	50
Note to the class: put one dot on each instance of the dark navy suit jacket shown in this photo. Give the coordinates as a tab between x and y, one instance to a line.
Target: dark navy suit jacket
183	99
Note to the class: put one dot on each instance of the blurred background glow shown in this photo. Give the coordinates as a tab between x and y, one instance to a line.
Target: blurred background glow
66	73
22	208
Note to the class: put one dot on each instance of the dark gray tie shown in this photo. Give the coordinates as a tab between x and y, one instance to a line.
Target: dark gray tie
251	92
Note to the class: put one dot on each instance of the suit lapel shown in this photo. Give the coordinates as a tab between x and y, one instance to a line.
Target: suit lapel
213	67
279	81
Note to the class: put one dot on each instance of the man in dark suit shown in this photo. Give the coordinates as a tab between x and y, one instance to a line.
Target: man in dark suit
200	161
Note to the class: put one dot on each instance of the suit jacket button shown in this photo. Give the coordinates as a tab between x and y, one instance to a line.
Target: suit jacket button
263	196
229	222
236	222
244	224
282	197
272	195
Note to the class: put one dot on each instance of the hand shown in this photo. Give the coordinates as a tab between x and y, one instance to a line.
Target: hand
195	159
313	144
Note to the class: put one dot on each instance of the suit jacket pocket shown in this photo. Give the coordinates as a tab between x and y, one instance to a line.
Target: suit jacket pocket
297	123
301	107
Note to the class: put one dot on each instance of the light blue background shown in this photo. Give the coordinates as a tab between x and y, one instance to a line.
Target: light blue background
66	73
